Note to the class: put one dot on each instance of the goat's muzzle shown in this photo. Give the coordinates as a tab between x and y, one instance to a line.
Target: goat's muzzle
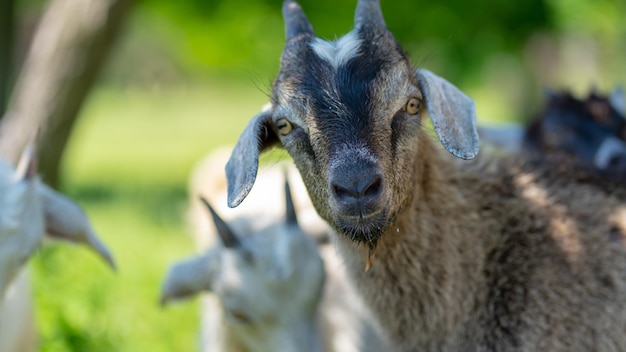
357	198
358	194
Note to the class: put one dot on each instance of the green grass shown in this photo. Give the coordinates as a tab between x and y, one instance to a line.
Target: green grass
127	165
144	137
83	306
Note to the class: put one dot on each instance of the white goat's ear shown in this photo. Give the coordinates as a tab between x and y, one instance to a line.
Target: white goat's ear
65	220
453	114
189	277
617	99
243	164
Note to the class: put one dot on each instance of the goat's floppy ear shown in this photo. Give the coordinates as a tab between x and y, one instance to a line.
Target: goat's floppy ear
65	220
453	114
243	164
189	277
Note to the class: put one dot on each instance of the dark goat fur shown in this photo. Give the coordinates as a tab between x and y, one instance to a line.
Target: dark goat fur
576	129
500	255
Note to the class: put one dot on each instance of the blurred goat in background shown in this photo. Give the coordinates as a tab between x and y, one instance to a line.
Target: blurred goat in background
276	283
589	133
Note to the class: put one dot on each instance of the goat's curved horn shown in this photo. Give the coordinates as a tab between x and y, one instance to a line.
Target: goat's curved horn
227	236
27	165
291	217
368	13
296	22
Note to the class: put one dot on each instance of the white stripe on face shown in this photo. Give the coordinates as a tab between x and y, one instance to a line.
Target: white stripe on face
338	52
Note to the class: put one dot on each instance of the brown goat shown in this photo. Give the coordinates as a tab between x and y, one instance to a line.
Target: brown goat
506	255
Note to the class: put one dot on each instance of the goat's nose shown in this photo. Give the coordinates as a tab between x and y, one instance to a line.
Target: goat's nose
361	187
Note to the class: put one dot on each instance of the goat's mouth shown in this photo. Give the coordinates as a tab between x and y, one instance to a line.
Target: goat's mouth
364	229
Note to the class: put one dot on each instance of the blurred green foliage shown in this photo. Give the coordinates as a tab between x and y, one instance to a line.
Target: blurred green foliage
181	40
503	53
240	34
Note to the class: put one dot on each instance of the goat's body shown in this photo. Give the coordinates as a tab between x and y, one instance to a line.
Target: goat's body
219	336
346	323
17	326
499	258
217	333
508	255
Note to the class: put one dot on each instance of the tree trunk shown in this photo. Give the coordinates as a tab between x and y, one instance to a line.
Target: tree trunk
67	52
6	50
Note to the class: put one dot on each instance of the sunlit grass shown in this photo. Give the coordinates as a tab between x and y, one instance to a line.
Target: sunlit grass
154	137
83	306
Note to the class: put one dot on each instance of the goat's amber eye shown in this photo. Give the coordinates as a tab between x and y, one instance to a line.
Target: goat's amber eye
284	126
413	106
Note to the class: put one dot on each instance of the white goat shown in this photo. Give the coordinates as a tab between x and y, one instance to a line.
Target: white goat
28	210
509	255
283	280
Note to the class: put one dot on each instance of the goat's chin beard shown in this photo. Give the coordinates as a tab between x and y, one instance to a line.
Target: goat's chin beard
364	230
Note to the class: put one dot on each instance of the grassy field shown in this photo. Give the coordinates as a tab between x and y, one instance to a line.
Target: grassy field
128	165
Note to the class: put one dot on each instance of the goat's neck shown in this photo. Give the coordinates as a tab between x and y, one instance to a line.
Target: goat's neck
421	274
301	335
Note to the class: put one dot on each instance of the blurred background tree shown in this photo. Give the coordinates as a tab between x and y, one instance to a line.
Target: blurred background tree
66	53
6	46
185	77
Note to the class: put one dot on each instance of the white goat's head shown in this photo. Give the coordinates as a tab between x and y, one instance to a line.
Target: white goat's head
28	210
349	114
268	282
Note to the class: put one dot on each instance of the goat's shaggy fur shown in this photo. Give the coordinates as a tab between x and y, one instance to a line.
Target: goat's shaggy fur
502	255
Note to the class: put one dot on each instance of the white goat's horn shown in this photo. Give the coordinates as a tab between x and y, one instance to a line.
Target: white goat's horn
27	165
229	240
290	210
